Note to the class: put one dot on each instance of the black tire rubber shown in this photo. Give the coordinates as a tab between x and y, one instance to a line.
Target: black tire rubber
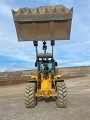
30	98
61	95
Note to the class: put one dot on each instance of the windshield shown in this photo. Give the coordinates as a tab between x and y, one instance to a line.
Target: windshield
42	66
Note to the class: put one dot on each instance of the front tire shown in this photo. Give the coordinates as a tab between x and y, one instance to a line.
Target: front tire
30	98
61	95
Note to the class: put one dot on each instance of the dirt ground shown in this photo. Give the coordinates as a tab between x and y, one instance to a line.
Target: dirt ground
12	103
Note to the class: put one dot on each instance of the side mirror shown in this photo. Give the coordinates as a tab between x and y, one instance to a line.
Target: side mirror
55	63
35	64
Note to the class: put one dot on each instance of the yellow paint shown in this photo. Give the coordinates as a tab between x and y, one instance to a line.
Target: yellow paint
46	90
34	77
58	76
46	85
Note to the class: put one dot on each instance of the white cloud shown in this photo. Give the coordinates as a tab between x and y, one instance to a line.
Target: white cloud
9	45
15	66
5	10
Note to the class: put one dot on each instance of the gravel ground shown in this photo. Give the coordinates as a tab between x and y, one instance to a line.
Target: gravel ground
12	103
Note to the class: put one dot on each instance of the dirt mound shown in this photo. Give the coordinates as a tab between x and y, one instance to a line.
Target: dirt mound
58	9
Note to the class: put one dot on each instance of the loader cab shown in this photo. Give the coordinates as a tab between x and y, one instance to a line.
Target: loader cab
46	66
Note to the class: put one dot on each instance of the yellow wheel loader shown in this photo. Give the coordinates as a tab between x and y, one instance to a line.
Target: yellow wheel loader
41	24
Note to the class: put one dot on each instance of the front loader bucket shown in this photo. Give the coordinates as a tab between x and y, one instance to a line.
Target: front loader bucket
43	23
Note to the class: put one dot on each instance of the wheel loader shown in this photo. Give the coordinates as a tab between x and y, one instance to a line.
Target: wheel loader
44	23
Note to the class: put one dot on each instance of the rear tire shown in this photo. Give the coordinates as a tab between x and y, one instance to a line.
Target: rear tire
30	98
61	95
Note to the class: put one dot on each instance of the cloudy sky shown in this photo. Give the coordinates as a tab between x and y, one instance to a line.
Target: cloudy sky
16	55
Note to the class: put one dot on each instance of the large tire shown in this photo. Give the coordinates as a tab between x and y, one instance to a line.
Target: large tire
61	95
30	98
